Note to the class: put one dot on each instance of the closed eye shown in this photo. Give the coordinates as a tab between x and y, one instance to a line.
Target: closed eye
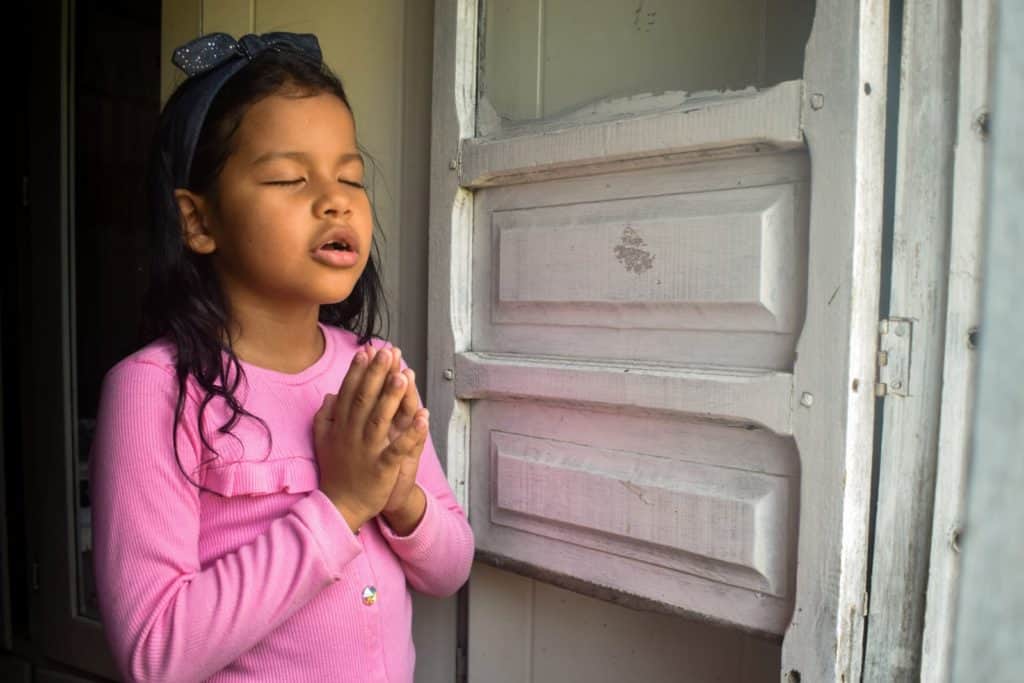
351	183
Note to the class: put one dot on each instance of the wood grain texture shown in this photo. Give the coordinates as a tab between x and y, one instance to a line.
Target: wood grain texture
990	606
698	518
592	472
701	263
910	422
725	260
839	111
844	124
768	118
735	395
963	317
449	293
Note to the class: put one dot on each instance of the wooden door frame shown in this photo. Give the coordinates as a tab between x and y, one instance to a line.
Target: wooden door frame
843	121
963	318
844	125
57	631
939	206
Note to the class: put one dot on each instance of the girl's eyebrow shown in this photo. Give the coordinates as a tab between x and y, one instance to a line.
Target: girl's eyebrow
343	159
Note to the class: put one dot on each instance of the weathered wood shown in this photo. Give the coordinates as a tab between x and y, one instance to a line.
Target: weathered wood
610	292
910	422
451	215
841	113
696	518
990	609
721	260
713	466
745	119
962	321
703	263
844	123
731	394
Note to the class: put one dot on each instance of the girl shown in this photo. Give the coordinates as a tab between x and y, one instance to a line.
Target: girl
264	484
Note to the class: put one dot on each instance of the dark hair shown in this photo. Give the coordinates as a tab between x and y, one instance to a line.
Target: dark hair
184	302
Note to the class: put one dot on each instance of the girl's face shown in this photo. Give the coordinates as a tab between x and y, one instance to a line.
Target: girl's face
291	225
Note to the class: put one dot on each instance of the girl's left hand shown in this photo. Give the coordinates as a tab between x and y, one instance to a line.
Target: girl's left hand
404	508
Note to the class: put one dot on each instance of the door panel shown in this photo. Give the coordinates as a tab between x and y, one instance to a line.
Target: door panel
635	502
633	338
703	263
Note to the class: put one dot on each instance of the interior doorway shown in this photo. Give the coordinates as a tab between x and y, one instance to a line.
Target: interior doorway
72	284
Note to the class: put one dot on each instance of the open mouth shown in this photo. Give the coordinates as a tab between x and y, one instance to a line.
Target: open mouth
338	253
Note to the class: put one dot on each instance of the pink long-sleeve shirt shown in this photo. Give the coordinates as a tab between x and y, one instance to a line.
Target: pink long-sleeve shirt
262	580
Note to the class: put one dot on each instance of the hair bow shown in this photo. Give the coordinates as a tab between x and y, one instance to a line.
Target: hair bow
209	51
216	57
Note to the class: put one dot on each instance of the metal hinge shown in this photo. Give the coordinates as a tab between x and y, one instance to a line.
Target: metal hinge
34	577
895	336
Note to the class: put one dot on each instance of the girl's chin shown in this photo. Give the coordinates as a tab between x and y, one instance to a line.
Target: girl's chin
335	298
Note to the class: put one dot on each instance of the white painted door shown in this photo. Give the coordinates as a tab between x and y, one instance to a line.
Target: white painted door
652	316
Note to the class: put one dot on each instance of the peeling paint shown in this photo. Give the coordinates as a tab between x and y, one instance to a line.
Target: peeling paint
637	491
643	20
630	252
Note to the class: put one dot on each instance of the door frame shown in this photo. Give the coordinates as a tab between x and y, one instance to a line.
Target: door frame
832	401
49	435
939	187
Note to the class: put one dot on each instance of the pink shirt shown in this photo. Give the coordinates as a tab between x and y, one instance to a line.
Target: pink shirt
264	582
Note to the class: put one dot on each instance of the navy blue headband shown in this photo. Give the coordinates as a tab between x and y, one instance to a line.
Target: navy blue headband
209	61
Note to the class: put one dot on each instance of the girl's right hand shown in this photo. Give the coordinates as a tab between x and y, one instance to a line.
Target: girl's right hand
359	465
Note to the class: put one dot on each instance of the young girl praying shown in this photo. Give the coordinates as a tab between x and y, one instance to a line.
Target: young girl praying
265	491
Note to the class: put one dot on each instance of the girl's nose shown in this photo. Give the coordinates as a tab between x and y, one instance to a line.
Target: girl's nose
333	199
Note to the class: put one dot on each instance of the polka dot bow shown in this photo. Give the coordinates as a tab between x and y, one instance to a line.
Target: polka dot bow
209	51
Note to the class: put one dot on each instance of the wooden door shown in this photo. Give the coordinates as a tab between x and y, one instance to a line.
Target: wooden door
653	318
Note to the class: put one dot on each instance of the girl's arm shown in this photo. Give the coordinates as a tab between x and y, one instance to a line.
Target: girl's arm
165	618
438	554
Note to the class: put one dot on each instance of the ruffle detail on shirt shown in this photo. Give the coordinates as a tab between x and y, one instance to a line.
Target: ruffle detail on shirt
260	478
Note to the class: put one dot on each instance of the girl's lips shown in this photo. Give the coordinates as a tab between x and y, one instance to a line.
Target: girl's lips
336	258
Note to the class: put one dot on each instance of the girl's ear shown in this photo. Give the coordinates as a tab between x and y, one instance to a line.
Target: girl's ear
195	232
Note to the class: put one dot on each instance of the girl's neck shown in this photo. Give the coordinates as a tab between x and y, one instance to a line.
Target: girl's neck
288	344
